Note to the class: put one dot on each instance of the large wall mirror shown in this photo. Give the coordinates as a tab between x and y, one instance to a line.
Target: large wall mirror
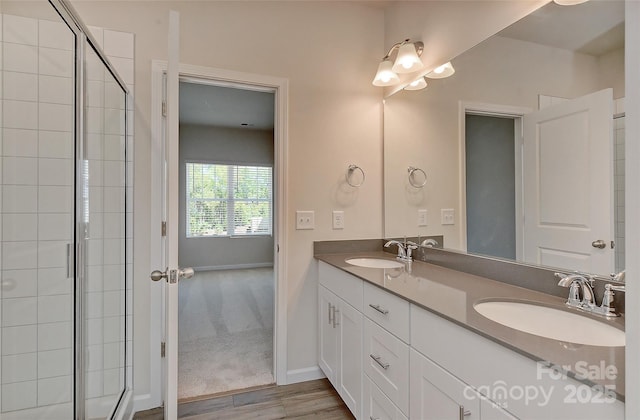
522	148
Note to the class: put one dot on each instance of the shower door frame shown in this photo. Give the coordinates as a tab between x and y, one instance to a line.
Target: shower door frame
83	39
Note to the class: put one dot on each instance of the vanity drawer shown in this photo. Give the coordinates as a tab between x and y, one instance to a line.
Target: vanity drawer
345	285
376	405
386	362
387	310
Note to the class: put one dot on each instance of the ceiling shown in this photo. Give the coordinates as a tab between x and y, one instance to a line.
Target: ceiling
226	106
595	27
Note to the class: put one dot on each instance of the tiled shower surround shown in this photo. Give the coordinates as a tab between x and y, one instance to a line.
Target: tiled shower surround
37	224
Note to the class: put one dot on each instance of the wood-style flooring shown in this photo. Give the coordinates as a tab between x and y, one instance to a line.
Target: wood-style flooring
306	400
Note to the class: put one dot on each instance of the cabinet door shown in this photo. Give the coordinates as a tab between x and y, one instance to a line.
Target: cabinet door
436	394
350	356
328	336
376	405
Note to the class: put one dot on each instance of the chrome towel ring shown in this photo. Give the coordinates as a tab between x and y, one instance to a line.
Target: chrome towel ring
352	168
411	170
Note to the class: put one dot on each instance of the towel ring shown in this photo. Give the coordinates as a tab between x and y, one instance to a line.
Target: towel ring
411	170
350	171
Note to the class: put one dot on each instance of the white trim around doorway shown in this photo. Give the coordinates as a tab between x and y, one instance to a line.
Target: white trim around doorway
219	77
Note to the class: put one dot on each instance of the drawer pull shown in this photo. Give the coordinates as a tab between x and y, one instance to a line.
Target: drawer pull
464	413
378	360
379	309
329	311
374	418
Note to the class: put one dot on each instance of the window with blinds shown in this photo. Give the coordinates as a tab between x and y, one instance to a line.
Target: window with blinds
228	200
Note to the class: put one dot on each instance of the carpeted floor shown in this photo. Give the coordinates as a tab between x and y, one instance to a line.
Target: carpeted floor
225	331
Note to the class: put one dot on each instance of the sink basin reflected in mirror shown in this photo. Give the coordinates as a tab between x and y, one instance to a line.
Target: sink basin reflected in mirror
374	263
551	323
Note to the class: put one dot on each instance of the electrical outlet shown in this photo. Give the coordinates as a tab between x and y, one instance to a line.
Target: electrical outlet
422	217
338	219
305	219
447	217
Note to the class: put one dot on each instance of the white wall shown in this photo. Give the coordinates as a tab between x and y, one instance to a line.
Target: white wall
329	52
200	143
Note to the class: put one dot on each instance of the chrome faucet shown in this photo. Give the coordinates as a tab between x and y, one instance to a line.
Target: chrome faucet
584	283
410	246
401	250
429	243
606	308
404	249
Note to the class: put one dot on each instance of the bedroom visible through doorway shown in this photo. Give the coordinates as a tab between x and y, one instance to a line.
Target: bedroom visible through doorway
226	211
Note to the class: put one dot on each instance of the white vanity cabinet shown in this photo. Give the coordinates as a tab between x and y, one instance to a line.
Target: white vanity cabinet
340	334
524	387
392	360
436	394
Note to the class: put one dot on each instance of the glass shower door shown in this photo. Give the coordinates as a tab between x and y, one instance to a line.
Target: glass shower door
104	219
37	215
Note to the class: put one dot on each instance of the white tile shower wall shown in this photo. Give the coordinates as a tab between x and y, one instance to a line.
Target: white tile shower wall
36	222
36	203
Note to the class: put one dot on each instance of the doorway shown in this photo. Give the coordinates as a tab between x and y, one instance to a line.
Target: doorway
490	156
225	227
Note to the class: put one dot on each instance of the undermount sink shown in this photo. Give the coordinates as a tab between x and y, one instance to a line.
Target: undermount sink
374	263
551	323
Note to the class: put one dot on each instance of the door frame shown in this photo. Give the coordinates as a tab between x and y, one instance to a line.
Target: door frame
490	110
220	77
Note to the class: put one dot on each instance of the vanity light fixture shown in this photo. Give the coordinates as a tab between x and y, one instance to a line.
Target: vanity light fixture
417	84
407	61
441	72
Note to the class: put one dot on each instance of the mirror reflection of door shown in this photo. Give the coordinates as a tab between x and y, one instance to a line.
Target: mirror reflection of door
566	185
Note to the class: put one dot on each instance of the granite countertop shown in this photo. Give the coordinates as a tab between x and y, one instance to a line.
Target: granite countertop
451	294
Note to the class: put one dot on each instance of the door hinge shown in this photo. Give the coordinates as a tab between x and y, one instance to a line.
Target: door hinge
163	346
164	109
164	228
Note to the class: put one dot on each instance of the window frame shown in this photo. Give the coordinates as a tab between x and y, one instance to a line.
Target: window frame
230	199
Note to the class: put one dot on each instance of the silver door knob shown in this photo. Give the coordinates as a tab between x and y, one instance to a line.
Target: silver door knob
599	244
158	275
172	276
186	273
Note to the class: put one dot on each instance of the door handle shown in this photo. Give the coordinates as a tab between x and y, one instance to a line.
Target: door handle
600	244
464	413
172	276
158	275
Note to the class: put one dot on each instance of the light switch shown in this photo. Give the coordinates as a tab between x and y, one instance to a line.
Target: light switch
448	217
422	217
305	219
338	219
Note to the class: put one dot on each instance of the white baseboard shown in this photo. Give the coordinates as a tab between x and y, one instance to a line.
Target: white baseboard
305	374
232	266
144	402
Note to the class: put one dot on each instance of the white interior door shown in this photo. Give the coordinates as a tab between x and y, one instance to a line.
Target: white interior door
171	273
568	184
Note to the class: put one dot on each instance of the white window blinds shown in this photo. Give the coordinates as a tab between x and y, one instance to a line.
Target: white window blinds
228	200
